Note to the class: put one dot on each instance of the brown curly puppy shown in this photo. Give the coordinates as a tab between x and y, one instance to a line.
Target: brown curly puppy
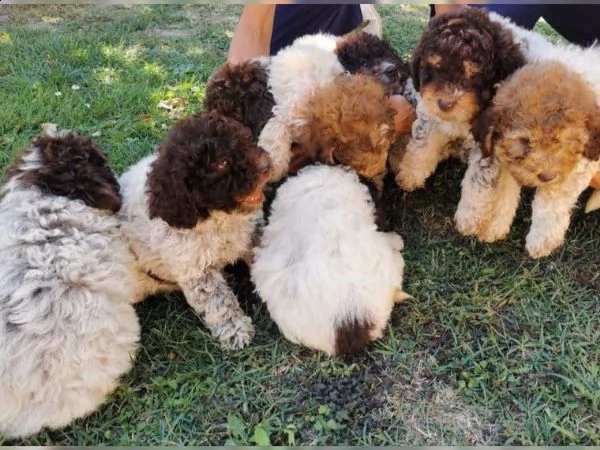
192	208
543	131
71	165
241	91
367	54
348	122
458	61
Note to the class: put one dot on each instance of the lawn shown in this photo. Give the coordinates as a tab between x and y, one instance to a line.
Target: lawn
494	348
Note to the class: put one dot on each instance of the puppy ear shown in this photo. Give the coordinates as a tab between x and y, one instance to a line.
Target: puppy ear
169	197
508	54
482	129
592	148
415	64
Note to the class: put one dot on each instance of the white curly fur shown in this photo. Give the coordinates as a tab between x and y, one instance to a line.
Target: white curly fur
294	73
488	203
68	330
189	260
434	140
321	261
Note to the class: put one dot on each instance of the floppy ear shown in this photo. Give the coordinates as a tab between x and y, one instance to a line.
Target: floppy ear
169	198
482	129
592	148
508	54
415	63
258	105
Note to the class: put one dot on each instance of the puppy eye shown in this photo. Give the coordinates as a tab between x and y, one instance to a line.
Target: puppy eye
222	164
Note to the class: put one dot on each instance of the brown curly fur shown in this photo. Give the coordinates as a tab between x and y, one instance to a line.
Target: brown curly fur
206	163
72	166
543	120
367	54
458	61
240	91
348	122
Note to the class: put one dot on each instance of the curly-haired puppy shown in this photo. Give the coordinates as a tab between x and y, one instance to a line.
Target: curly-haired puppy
68	330
329	278
456	65
241	91
543	131
312	62
365	53
192	208
348	121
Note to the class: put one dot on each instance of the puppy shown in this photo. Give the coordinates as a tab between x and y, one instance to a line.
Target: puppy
455	66
241	91
328	277
312	62
542	131
192	208
68	331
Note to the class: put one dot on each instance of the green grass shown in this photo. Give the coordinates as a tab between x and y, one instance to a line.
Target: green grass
495	348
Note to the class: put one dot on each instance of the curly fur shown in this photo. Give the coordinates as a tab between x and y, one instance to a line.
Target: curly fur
349	122
327	285
241	91
311	63
192	208
542	131
456	65
365	53
68	331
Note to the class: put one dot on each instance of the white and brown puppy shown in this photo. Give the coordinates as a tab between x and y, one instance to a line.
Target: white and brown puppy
329	278
68	330
192	208
542	131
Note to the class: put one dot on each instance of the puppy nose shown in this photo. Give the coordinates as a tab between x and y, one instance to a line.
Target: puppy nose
547	175
445	105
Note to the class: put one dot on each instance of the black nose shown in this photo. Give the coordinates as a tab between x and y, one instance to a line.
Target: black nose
446	105
547	175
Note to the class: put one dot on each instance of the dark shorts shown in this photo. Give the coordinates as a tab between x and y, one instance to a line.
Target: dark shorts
578	23
295	20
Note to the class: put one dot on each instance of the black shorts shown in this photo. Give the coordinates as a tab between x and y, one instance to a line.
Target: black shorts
294	20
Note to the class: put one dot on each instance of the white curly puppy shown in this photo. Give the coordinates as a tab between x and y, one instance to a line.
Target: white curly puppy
68	331
295	72
192	208
329	278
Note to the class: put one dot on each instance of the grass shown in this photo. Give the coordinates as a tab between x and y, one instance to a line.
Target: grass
494	349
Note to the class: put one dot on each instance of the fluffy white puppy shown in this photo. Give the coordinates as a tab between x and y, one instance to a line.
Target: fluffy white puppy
329	278
68	330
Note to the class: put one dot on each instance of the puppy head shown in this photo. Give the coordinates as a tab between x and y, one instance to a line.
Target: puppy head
68	165
206	163
347	122
365	53
240	91
543	121
458	61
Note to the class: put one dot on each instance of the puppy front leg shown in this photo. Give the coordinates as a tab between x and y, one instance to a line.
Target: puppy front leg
504	210
551	210
210	296
425	150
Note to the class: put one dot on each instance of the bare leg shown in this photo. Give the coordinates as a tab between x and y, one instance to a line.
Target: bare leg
551	210
209	295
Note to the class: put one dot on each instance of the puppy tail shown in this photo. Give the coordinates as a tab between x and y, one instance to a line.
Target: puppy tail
593	203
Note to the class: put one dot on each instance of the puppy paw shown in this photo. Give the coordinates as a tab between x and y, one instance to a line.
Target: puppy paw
408	180
493	233
235	334
542	245
468	224
395	241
